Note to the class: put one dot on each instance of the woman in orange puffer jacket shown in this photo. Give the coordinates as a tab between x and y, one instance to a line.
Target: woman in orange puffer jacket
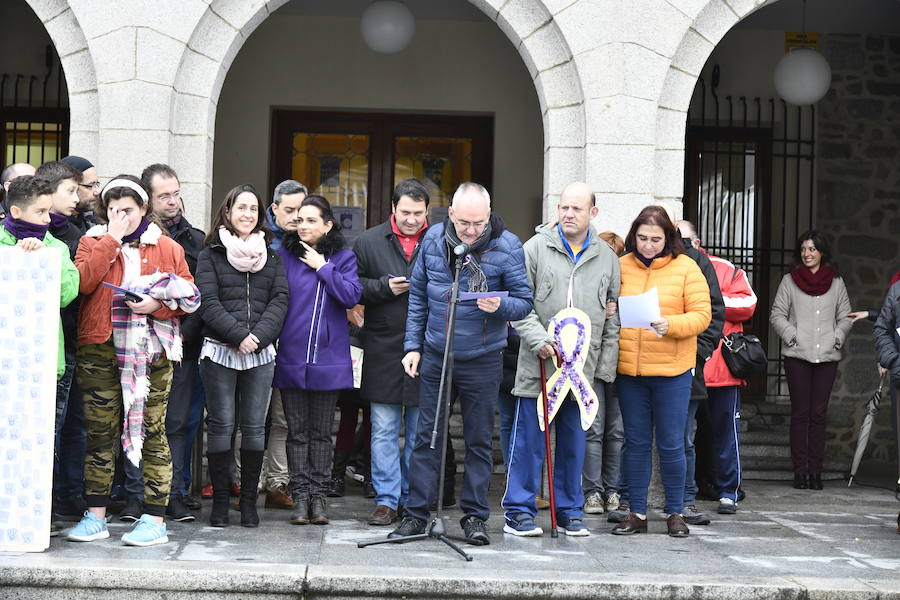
655	367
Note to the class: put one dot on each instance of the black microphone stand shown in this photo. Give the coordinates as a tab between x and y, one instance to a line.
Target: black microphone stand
445	390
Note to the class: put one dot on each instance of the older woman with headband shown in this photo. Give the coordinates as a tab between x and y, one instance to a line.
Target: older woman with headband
130	272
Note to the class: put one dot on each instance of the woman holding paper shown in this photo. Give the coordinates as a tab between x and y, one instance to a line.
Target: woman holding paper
811	316
313	362
655	363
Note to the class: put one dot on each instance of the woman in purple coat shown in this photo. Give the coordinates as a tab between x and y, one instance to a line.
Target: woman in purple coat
313	362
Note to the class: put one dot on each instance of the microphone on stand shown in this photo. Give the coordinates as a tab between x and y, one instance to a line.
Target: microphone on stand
461	250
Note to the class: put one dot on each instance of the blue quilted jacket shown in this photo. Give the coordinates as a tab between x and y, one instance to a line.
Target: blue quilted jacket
477	332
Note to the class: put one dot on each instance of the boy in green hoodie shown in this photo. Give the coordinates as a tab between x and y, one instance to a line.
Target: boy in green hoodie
29	201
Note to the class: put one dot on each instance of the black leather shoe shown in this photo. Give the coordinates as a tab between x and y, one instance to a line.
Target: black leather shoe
177	511
408	526
336	487
133	510
801	481
300	514
317	514
191	502
475	531
631	524
369	489
815	481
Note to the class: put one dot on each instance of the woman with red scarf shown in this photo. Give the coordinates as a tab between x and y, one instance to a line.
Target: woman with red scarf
811	316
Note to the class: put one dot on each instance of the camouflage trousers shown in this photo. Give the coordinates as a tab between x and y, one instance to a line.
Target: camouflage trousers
98	378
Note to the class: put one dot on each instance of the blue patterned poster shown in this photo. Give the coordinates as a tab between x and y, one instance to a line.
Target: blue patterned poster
29	325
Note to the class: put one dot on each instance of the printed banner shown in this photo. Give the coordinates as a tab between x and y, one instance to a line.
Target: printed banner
29	329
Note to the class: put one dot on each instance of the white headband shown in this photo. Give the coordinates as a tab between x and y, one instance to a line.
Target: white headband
116	183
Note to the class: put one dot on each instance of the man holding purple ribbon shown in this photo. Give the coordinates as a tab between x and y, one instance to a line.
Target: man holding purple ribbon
568	266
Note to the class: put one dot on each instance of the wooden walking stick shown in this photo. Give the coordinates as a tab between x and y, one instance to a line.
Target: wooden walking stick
549	456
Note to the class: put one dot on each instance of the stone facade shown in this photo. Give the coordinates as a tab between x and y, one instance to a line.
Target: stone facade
858	178
614	81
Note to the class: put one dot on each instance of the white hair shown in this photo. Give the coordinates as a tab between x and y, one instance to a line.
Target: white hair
469	185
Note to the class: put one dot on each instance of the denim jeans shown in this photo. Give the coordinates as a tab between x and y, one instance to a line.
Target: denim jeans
225	388
185	378
506	406
690	454
68	476
603	447
195	416
475	384
390	469
659	403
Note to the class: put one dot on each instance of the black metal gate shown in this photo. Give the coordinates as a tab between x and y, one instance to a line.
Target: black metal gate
749	189
34	114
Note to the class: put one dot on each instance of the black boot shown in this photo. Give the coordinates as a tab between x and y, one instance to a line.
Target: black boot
815	481
801	481
219	463
251	464
338	471
317	511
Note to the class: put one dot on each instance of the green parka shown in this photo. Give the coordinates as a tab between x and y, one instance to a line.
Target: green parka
596	280
68	288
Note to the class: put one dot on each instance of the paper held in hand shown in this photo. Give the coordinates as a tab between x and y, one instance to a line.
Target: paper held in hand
640	310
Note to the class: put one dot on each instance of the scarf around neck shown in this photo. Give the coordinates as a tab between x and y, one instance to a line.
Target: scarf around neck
23	229
245	255
170	224
472	264
58	222
136	234
813	284
647	261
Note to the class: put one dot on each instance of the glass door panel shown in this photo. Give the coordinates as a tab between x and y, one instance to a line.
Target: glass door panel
336	166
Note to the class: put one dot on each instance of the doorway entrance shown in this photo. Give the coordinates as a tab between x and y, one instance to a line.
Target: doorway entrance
355	159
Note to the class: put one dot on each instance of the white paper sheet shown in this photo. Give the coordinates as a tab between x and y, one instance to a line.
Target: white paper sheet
29	322
640	310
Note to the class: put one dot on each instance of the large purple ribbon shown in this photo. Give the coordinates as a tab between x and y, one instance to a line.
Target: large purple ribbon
570	375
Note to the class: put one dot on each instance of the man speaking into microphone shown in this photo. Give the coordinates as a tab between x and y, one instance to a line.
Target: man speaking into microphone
492	261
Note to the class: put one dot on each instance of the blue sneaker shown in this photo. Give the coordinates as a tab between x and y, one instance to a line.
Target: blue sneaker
571	526
146	533
522	525
89	528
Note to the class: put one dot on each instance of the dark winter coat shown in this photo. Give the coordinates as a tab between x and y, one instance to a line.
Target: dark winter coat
887	341
707	341
477	332
70	235
191	241
379	256
314	351
236	304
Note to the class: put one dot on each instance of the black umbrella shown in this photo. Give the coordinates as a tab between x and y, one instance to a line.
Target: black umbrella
865	428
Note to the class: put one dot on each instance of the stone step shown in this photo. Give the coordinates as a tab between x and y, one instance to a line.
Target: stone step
783	463
766	437
776	475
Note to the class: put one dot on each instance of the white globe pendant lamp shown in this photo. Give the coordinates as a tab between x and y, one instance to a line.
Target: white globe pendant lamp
387	26
802	76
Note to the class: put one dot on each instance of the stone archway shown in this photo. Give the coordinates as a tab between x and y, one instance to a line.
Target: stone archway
226	24
68	37
711	24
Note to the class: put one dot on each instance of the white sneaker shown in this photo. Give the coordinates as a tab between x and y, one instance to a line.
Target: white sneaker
612	502
593	504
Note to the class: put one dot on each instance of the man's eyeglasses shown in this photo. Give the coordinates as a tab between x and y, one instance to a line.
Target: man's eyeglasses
90	186
167	197
478	225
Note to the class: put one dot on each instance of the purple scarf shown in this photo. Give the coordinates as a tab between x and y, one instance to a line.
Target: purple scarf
23	229
58	222
647	261
136	234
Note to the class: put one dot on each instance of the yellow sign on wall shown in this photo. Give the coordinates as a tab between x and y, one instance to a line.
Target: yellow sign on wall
798	39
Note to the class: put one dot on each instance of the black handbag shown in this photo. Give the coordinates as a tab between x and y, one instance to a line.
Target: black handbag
744	355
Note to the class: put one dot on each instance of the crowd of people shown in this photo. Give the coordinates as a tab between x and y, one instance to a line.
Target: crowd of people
253	323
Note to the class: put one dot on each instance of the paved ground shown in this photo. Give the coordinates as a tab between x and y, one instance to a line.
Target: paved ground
783	543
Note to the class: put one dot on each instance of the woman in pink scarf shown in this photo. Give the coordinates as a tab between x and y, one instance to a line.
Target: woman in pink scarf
245	298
